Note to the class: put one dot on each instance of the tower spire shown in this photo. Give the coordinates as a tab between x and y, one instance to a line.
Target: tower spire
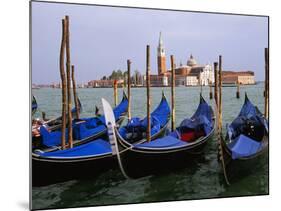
160	39
161	60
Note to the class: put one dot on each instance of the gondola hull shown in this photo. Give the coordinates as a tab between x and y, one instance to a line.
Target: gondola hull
51	171
239	168
37	141
139	163
245	148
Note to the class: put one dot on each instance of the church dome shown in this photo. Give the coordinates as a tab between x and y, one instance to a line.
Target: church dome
191	61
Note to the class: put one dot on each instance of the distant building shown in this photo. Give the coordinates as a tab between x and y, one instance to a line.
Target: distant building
241	77
191	81
199	73
103	83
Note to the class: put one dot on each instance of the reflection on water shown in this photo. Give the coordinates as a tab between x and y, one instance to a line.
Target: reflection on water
203	180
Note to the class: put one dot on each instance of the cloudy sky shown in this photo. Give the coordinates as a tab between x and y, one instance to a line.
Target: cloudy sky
103	38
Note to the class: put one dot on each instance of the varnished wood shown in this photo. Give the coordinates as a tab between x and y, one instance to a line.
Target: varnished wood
68	76
129	88
63	82
148	130
173	84
75	93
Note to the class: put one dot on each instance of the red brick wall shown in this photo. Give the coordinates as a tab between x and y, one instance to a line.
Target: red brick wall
161	65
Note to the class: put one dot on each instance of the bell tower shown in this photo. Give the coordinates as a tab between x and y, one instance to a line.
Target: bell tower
161	58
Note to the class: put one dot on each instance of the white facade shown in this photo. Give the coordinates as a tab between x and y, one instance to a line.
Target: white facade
191	81
165	81
207	76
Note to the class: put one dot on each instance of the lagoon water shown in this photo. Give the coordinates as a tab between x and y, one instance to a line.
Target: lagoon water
205	180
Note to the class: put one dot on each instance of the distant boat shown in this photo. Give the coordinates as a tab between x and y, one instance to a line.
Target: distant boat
34	105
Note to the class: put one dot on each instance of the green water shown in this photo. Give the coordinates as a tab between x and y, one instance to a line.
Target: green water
201	181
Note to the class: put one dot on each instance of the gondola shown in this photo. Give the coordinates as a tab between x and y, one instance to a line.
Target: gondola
85	160
173	151
135	129
245	147
84	129
34	105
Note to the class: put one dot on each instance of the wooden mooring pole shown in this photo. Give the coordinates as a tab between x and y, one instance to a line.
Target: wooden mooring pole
75	93
211	91
129	88
219	120
216	82
69	103
266	83
173	84
148	91
238	90
220	93
115	92
63	82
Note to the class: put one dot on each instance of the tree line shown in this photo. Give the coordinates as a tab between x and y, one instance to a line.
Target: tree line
136	78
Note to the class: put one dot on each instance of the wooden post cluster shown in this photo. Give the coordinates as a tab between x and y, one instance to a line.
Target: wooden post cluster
129	88
66	85
74	93
173	84
148	91
238	90
115	93
266	83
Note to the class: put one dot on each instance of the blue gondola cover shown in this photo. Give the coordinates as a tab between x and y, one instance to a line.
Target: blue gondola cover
243	146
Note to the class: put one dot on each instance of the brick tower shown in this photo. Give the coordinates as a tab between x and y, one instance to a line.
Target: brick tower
161	58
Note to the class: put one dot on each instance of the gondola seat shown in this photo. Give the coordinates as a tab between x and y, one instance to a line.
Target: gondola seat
50	139
136	128
85	130
165	142
243	146
92	148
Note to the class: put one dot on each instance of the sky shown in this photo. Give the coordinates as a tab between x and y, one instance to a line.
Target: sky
103	38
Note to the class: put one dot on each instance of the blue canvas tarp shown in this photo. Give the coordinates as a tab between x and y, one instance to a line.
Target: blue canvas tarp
243	146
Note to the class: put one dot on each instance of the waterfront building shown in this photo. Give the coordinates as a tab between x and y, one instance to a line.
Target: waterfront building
191	81
103	83
241	77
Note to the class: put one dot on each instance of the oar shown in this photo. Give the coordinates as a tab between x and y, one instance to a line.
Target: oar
110	123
